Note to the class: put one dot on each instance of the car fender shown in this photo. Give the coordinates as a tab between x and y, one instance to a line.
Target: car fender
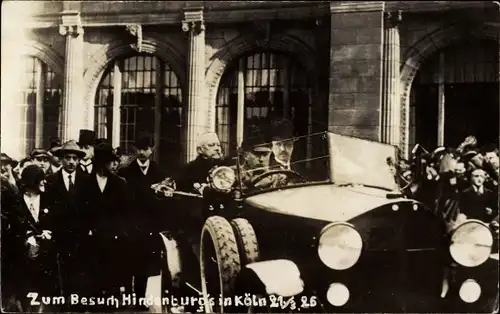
273	277
172	255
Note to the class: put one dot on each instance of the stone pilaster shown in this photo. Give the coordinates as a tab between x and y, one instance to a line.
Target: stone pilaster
197	108
391	99
74	112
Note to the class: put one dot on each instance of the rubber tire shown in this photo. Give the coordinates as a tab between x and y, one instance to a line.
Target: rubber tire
226	251
248	247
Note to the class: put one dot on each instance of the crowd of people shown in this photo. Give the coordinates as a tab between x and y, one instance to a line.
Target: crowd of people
458	183
83	218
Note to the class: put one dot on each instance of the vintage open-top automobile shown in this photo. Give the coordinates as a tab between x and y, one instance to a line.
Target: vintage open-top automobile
332	234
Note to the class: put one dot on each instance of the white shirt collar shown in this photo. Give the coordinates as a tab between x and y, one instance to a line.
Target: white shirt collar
479	190
286	165
66	179
86	162
35	202
145	164
101	181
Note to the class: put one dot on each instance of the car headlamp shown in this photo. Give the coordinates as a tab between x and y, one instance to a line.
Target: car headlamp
340	246
222	178
471	243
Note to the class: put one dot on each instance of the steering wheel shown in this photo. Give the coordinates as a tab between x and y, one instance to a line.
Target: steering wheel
287	173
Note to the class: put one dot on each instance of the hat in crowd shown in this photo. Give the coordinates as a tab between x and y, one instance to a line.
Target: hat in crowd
255	140
100	141
31	176
54	144
104	153
40	152
477	162
144	141
491	148
5	159
281	129
70	147
87	137
447	164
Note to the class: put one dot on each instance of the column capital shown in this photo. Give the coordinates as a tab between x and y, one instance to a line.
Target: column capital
71	24
193	20
136	31
393	19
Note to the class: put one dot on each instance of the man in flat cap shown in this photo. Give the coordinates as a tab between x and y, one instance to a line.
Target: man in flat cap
87	141
67	190
478	202
141	174
7	166
41	158
55	163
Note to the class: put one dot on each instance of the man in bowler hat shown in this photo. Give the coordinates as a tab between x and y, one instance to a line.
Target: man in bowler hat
282	144
87	141
141	174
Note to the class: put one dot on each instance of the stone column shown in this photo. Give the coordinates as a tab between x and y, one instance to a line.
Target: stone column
197	108
74	111
391	100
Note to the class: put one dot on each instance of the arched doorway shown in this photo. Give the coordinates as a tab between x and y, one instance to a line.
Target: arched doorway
145	94
462	81
39	104
262	84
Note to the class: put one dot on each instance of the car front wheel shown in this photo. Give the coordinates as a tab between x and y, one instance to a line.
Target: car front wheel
219	263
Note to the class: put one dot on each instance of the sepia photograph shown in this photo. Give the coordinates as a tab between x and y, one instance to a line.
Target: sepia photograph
249	156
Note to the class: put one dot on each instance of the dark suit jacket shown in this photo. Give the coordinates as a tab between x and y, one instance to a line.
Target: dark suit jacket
196	171
38	274
145	207
474	205
70	210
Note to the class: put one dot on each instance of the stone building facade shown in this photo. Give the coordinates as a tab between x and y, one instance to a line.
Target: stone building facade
396	71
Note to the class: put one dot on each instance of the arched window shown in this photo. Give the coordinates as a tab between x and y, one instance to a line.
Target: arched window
141	95
40	104
456	90
261	85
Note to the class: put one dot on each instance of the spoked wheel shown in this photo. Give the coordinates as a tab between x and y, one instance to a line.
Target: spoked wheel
219	263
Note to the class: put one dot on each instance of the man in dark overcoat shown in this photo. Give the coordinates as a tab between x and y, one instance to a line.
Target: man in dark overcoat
66	189
108	216
146	210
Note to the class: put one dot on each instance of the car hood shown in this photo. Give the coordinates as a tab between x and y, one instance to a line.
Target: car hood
323	202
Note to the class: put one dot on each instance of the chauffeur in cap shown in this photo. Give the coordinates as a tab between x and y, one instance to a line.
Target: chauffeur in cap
254	155
108	214
140	175
87	141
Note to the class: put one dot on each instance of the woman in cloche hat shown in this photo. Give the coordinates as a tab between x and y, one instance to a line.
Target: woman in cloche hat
34	222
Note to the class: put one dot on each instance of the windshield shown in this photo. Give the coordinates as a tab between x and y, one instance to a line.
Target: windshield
316	158
358	161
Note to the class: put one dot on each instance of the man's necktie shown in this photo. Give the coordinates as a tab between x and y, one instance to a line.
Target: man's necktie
143	168
71	184
33	212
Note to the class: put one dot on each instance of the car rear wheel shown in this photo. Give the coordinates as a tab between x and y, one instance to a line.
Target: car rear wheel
246	240
219	263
